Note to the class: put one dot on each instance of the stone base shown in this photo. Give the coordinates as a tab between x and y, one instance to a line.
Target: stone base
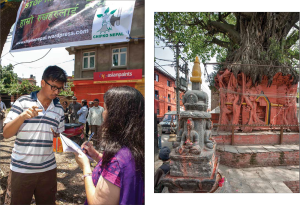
189	165
256	138
192	184
258	156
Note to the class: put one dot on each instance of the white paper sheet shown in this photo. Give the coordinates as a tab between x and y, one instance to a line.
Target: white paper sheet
70	146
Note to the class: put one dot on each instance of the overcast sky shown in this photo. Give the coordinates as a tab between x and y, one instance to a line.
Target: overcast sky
166	53
57	56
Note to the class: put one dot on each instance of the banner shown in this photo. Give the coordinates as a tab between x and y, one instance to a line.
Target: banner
56	23
118	75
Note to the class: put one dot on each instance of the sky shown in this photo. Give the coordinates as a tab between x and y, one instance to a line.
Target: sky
166	53
57	56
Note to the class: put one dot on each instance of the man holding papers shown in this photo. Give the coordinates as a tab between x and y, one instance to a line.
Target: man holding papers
33	165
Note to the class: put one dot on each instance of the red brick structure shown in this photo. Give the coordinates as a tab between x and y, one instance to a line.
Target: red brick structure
247	101
164	93
293	186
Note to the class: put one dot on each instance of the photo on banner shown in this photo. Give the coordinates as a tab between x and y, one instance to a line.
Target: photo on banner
50	23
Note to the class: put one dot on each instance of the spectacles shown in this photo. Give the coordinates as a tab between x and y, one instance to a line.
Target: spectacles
54	88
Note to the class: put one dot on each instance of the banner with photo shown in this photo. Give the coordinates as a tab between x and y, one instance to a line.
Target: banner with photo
55	23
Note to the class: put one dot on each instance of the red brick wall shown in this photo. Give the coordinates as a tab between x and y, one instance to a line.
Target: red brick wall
293	185
164	90
261	159
262	139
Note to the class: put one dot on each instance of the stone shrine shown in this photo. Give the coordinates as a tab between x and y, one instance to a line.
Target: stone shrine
194	165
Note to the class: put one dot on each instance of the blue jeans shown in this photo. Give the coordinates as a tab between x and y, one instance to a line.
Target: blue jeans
159	142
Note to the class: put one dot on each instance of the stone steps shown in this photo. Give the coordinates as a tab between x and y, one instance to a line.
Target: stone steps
258	155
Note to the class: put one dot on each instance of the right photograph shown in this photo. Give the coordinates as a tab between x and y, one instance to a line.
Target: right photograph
226	102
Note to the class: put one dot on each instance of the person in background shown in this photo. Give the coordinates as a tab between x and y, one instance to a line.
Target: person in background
2	114
118	178
164	155
66	111
159	134
87	127
83	112
31	118
95	119
73	109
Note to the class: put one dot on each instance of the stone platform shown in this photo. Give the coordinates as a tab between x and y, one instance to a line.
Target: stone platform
187	184
258	155
256	138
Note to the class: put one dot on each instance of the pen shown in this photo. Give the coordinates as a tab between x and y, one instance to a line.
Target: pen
90	137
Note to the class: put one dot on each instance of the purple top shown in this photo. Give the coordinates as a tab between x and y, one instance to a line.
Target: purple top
121	172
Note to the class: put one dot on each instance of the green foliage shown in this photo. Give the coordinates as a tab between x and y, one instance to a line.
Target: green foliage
67	91
24	88
9	82
99	15
7	76
190	29
107	10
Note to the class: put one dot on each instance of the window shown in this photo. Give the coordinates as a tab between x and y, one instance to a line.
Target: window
156	77
169	83
89	60
119	57
156	96
169	108
169	98
157	111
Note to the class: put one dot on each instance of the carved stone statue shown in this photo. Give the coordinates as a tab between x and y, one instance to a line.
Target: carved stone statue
189	140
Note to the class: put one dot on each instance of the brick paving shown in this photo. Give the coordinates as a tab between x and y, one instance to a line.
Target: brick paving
293	186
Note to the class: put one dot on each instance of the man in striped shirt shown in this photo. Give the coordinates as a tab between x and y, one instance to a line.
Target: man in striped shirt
33	165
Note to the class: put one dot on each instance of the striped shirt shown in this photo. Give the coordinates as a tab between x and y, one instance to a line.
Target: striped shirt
33	152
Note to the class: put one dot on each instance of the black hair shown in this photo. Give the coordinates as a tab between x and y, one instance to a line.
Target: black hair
96	100
84	102
124	124
65	102
55	73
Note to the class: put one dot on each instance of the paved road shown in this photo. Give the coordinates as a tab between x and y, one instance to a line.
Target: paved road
252	180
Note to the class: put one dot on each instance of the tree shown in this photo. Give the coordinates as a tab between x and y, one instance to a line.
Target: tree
240	38
7	77
67	91
8	16
9	82
24	88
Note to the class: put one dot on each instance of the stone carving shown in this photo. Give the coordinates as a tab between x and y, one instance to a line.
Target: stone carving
269	101
189	140
194	165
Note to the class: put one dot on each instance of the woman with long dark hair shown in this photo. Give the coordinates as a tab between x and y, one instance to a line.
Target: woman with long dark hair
118	177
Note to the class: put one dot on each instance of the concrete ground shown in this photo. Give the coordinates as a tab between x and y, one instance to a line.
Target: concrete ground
252	180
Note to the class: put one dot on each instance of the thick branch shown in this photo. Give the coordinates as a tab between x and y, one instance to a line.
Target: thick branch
8	16
247	15
220	43
228	28
297	27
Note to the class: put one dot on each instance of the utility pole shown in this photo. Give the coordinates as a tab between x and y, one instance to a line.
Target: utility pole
177	87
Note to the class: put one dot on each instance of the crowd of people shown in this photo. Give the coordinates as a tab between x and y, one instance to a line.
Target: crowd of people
86	114
118	177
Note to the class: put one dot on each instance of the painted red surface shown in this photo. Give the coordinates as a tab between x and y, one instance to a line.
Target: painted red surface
86	89
263	139
162	101
261	159
242	102
118	75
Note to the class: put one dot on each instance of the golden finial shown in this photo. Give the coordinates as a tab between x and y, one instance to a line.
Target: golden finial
196	73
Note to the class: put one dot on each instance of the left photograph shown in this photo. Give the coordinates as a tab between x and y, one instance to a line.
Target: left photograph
72	88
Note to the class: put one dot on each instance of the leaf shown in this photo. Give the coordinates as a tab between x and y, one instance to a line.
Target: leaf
107	10
99	15
112	12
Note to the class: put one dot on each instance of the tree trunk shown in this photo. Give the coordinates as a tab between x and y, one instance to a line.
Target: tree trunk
8	17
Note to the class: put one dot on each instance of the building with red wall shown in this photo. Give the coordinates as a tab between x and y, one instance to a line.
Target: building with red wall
164	93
